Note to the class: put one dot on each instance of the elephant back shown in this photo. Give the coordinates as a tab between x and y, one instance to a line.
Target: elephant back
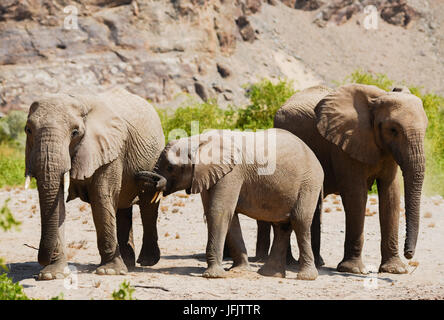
297	114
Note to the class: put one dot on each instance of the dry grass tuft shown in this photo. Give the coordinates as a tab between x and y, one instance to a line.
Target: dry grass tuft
413	263
428	215
179	204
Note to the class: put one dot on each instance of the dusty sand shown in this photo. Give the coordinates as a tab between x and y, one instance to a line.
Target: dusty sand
182	240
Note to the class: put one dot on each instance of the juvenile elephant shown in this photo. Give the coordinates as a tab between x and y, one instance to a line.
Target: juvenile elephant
98	142
270	175
360	134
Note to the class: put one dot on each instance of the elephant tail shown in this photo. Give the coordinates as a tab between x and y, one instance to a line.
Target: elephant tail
316	230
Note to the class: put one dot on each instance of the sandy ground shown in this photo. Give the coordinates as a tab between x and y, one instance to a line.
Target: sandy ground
182	240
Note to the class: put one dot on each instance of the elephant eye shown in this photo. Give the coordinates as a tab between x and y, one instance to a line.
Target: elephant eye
393	131
27	130
75	133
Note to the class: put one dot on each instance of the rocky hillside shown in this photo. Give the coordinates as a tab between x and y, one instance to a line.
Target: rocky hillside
212	48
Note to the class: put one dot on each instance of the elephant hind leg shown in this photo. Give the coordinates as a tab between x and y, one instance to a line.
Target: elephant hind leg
236	245
124	219
275	264
301	222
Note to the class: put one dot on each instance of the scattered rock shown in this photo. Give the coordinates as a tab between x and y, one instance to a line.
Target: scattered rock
245	29
223	70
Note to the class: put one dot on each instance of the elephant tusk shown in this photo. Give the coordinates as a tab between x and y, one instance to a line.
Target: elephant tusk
155	197
27	182
159	197
66	179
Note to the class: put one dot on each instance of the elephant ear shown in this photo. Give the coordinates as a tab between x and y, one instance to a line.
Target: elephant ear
104	138
344	117
215	157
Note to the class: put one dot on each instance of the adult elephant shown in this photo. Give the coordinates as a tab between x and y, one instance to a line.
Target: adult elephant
98	142
360	134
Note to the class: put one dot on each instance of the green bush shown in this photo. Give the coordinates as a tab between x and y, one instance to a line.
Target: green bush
12	128
125	292
266	98
12	166
208	115
10	290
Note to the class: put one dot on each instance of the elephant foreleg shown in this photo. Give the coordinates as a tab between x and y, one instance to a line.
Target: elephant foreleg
125	238
354	200
219	205
104	193
389	194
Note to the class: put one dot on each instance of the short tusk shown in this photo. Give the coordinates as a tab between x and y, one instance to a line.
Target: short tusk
159	197
66	179
155	197
27	182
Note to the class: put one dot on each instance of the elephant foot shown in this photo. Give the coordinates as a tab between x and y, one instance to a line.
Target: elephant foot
393	265
149	257
319	262
259	258
244	266
214	271
56	270
114	267
352	266
268	270
307	273
290	261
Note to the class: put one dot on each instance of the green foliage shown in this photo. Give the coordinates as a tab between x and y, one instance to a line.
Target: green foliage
12	128
266	98
12	166
10	290
7	220
60	296
208	115
380	80
125	292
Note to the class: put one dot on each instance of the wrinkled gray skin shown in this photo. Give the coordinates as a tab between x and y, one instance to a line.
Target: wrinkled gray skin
360	134
102	139
286	196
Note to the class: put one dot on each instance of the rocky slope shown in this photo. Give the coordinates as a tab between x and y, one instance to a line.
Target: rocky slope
211	48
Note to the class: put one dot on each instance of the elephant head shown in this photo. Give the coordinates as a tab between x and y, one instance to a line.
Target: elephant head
368	124
67	134
193	164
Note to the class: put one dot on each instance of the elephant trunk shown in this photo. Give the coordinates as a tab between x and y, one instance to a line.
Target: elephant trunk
413	173
49	166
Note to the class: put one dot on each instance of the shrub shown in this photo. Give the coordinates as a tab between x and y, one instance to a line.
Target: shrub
266	98
11	128
10	290
12	166
208	115
125	292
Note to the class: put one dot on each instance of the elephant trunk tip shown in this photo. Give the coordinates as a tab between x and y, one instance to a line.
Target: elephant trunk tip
44	258
408	254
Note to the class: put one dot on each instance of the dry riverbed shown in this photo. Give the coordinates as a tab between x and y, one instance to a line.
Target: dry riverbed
182	240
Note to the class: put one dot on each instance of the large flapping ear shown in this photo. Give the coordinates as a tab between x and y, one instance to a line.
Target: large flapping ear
104	138
344	117
216	156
